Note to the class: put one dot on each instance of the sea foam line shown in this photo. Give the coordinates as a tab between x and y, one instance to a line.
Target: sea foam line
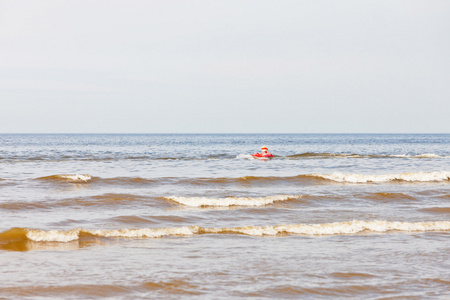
337	228
230	201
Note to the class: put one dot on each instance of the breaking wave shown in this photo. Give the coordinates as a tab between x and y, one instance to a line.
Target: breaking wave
322	178
409	177
299	179
230	201
67	178
116	200
15	235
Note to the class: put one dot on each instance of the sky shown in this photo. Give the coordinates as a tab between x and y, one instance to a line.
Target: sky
224	66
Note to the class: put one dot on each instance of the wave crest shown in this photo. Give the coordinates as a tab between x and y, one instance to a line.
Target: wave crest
341	228
67	178
23	235
230	201
298	179
410	177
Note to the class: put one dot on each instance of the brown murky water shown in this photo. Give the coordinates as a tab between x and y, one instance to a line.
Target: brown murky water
184	216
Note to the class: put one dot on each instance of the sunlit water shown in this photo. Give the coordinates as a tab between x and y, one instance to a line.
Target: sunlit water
182	216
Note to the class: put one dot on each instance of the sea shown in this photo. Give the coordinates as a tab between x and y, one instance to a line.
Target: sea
187	216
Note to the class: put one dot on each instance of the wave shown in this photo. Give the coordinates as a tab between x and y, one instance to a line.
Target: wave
88	157
337	228
264	180
322	178
409	177
230	201
77	178
125	199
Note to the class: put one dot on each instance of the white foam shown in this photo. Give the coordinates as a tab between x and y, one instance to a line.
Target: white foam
77	177
53	235
427	155
359	178
74	234
231	201
145	232
337	228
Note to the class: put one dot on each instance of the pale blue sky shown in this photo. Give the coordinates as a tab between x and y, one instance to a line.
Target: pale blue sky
225	66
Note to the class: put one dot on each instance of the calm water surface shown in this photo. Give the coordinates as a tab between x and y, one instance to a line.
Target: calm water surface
189	216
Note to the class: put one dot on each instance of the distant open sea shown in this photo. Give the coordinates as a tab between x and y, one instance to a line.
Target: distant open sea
181	216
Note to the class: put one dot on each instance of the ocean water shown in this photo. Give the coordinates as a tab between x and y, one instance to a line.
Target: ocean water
195	216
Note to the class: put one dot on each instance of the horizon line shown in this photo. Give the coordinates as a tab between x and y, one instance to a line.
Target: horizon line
211	133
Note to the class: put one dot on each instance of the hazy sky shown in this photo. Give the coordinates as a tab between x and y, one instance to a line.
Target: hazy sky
225	66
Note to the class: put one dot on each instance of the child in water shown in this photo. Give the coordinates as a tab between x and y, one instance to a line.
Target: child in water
265	153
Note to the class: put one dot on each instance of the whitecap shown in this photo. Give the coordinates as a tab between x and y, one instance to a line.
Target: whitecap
231	201
336	228
77	177
411	177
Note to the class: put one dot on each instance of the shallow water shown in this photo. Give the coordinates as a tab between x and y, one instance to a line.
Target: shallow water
181	216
